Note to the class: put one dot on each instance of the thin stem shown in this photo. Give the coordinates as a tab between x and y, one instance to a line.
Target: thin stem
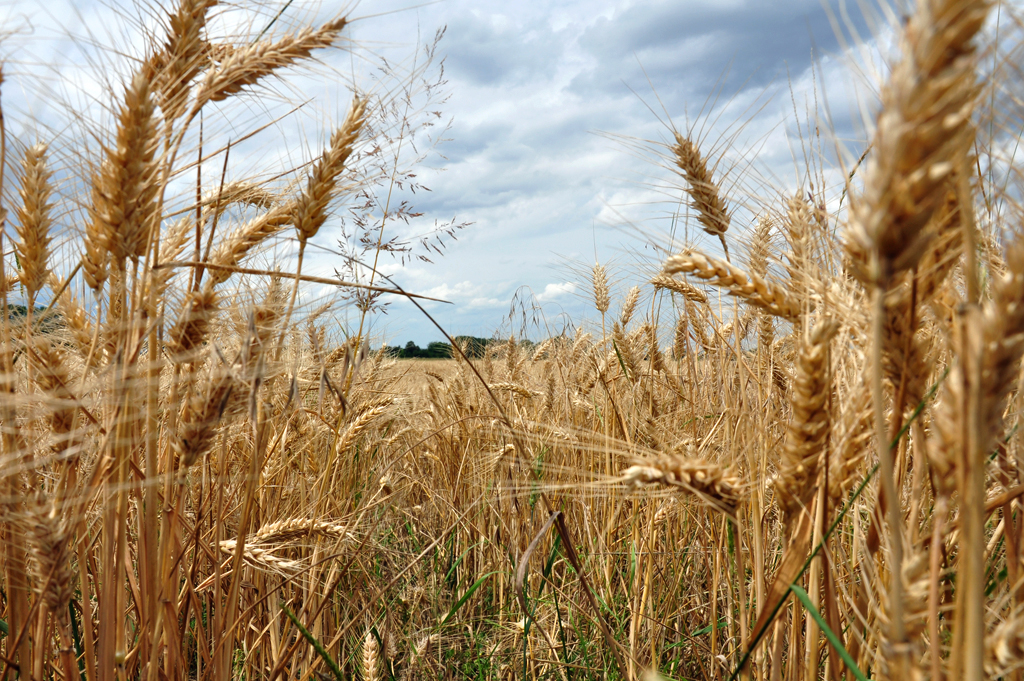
888	472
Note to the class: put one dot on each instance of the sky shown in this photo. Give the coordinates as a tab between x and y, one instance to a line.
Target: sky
560	112
550	143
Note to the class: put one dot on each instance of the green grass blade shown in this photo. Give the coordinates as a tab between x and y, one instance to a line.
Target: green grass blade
317	646
465	597
701	632
829	634
458	562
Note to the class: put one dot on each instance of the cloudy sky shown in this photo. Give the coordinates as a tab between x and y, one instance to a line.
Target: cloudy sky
557	111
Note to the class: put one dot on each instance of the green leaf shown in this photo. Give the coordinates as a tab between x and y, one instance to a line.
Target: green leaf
3	628
829	634
701	632
622	363
321	651
465	597
458	561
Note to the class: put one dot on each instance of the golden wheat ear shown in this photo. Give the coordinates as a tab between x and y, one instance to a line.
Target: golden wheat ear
712	213
808	431
706	480
750	287
34	221
924	133
244	67
183	56
311	208
599	277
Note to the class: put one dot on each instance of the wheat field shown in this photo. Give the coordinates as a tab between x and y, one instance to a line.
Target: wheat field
784	453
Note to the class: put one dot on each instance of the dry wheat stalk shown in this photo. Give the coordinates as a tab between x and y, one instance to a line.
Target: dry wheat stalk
760	251
76	320
905	357
629	305
262	559
741	326
52	376
189	332
237	245
124	191
623	352
172	246
600	280
515	389
1000	339
1004	647
750	287
696	323
544	348
854	433
371	653
183	56
797	232
239	192
680	337
49	538
358	425
287	530
202	415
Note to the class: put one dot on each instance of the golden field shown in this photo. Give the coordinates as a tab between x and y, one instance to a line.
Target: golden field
816	476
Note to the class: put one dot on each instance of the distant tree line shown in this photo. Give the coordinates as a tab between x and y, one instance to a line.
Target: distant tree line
44	321
474	347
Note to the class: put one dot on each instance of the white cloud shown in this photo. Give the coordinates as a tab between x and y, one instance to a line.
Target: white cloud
556	291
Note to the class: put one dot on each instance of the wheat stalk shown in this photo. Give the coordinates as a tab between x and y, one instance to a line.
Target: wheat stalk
49	539
371	653
183	57
125	191
691	293
923	135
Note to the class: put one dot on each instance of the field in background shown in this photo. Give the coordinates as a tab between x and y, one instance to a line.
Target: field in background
818	478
